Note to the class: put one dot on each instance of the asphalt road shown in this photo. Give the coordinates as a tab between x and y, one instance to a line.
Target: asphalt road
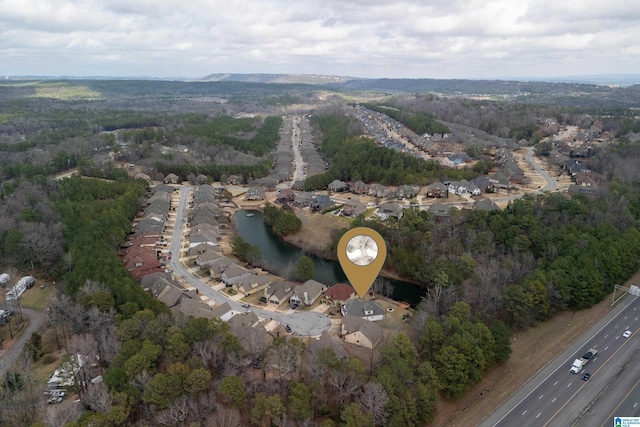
305	323
555	397
550	183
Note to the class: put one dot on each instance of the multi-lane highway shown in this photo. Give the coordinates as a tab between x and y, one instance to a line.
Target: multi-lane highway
556	397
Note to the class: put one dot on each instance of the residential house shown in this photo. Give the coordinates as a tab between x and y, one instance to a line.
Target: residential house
338	294
499	180
278	292
437	190
170	295
208	258
171	178
224	312
255	193
406	192
255	340
440	210
194	251
220	266
307	293
485	205
337	186
328	341
353	208
200	180
193	307
285	196
144	176
235	273
390	210
585	190
378	190
245	319
482	182
359	187
235	180
321	202
254	283
587	178
302	199
369	310
361	332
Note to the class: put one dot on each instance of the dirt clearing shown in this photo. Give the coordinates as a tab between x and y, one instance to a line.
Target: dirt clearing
317	231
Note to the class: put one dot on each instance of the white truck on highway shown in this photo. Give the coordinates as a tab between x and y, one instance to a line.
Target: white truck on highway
578	364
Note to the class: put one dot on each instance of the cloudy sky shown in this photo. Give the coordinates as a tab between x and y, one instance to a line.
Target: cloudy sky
362	38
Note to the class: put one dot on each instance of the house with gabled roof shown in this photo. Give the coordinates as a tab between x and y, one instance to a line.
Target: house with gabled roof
585	190
302	199
285	196
482	182
361	332
143	176
406	192
321	202
437	190
359	187
162	188
499	180
235	180
278	292
254	283
307	293
353	208
217	269
337	186
208	258
235	273
328	341
223	312
390	210
170	295
243	319
171	178
193	307
200	180
338	294
255	340
369	310
485	205
378	190
440	210
255	193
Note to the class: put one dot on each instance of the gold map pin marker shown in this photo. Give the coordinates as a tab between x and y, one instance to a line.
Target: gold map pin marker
361	252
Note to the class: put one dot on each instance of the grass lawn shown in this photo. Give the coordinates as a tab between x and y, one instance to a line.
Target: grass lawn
37	297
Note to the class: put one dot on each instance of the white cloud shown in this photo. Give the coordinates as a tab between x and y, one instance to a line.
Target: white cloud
368	38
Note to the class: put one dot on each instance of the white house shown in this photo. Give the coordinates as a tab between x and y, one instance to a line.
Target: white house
368	310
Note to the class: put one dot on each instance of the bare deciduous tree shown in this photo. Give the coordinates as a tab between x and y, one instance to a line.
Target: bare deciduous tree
373	400
225	417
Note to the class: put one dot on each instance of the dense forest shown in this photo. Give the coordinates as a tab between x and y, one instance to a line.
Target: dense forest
487	273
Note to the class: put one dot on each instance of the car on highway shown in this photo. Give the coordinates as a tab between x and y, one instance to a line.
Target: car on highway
626	334
586	376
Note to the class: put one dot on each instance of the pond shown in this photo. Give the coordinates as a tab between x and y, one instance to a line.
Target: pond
280	256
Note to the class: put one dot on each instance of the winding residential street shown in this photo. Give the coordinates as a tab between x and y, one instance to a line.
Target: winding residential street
307	323
9	357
